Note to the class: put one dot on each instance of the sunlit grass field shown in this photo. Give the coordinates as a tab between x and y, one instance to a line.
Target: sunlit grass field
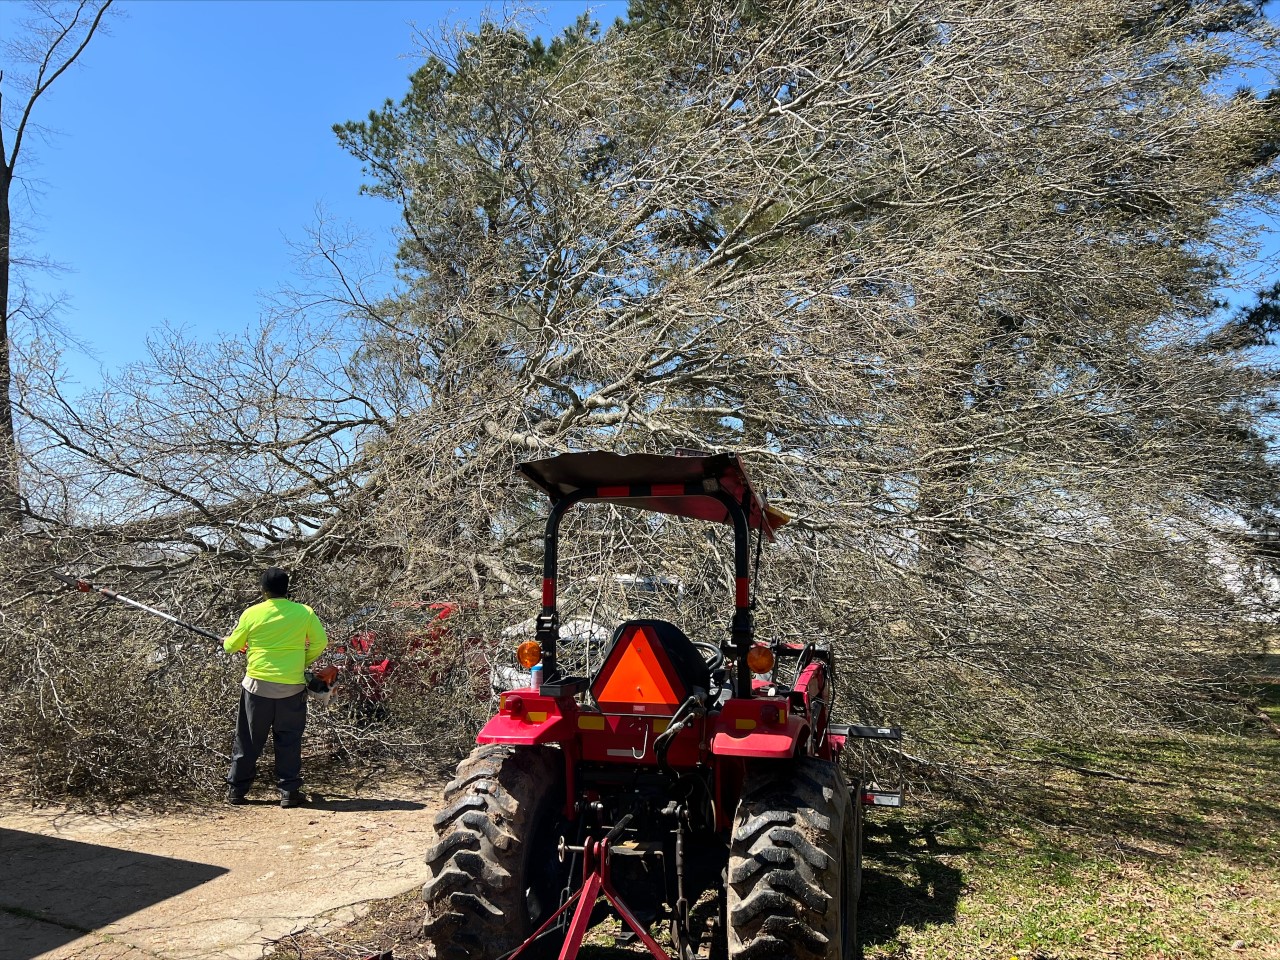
1180	859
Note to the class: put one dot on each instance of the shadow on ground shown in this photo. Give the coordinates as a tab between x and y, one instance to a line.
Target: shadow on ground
357	804
1269	663
1198	792
53	891
907	880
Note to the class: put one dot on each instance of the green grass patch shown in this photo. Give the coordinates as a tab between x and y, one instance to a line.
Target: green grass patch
1269	700
1152	848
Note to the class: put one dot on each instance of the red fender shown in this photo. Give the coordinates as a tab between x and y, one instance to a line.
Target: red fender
761	728
526	718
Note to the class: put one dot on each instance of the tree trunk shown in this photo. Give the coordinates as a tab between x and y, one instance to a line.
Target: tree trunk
9	489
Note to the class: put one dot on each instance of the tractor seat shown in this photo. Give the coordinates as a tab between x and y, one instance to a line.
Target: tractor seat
650	669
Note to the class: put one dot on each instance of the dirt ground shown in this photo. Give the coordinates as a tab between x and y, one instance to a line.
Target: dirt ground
224	883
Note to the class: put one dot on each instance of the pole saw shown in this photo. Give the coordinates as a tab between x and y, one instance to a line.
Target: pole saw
84	586
319	682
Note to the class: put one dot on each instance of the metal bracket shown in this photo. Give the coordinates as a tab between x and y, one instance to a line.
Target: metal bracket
866	733
595	881
873	796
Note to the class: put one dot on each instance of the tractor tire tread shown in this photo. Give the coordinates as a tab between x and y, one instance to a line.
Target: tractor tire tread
790	833
473	894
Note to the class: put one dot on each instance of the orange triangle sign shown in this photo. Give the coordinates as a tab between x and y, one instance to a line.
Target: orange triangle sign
638	677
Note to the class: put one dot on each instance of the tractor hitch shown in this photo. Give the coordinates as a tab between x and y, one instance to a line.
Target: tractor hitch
595	881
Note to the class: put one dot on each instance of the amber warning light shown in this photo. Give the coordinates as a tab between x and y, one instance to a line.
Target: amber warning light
760	659
529	654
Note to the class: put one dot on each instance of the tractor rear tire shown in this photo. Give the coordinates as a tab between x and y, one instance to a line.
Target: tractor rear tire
494	874
795	865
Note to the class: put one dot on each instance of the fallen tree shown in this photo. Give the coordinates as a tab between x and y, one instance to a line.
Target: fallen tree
946	275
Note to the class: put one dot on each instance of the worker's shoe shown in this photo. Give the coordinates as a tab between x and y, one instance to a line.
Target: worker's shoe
235	797
294	798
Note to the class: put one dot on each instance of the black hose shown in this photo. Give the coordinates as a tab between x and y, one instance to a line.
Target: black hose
678	721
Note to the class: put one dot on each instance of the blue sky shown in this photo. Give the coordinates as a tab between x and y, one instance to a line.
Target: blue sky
195	140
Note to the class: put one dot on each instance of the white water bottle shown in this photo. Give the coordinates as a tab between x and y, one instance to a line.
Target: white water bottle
535	677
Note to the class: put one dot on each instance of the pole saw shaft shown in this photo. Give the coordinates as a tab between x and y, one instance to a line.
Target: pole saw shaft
84	586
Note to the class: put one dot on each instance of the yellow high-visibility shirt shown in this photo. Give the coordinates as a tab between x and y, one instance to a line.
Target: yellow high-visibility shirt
283	638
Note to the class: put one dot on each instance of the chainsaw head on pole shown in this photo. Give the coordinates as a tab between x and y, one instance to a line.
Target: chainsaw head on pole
320	684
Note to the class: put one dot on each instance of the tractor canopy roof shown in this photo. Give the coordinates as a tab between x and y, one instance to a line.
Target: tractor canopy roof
649	481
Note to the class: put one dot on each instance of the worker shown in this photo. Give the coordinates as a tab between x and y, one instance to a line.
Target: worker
281	639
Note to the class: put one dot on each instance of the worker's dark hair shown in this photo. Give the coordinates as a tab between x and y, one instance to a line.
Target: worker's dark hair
275	582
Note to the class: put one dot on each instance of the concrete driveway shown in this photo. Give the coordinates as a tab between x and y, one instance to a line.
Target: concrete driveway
218	885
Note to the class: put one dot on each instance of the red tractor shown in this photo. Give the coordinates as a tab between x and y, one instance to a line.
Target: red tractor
692	783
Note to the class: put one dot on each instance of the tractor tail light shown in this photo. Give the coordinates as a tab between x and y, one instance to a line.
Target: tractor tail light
529	654
772	714
511	704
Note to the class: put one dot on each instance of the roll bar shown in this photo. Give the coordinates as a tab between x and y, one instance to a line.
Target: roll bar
742	628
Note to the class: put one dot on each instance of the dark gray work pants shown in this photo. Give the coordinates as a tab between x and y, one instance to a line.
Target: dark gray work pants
285	720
